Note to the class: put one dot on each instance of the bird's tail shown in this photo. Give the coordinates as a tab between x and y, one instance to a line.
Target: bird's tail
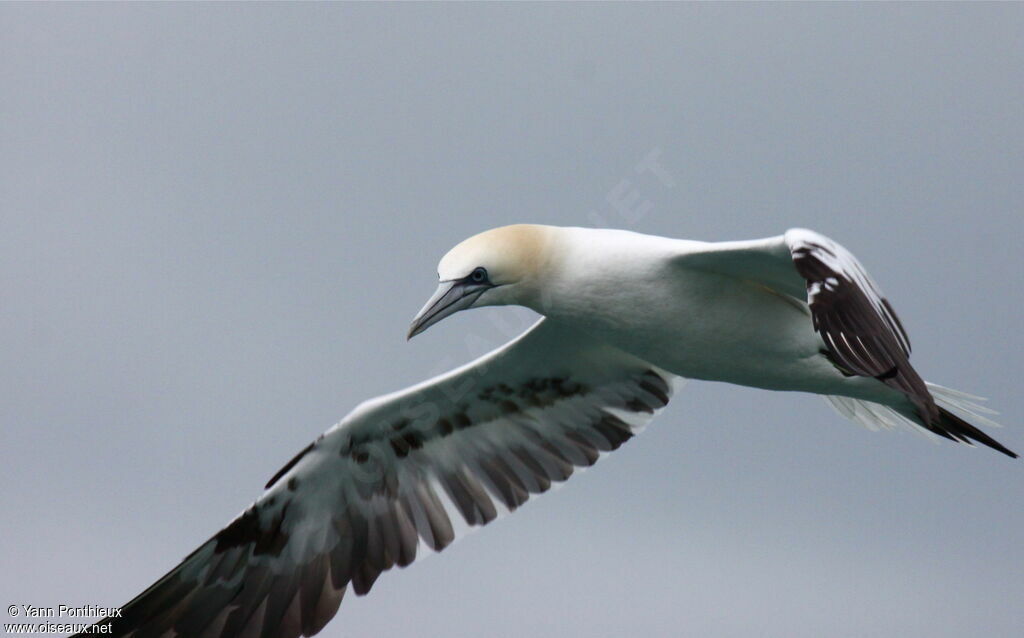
956	412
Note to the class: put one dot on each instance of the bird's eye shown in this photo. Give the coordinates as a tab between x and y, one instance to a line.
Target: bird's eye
478	276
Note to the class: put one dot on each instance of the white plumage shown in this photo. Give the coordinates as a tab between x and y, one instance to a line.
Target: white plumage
627	316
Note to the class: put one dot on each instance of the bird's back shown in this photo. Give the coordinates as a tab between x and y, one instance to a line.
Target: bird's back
631	290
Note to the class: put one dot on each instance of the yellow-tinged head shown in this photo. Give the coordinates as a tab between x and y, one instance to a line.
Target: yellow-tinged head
497	267
509	254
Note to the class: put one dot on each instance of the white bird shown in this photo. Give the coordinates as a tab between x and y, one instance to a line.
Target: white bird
626	316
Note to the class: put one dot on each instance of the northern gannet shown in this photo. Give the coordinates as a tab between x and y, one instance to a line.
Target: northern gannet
626	317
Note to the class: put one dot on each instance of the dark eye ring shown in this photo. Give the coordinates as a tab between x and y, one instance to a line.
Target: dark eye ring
479	275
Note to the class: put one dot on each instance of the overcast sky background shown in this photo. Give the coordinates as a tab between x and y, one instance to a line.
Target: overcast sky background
216	222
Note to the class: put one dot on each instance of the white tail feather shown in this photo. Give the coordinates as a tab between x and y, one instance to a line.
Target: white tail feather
875	416
965	405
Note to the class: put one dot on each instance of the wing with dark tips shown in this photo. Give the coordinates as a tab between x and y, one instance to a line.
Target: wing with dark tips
403	474
857	323
860	330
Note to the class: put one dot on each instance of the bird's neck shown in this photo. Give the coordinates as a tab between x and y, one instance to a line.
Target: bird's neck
596	277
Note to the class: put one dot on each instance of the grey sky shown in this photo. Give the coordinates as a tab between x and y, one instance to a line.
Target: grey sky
217	221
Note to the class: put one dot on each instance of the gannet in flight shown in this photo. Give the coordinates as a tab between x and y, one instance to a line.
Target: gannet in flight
625	316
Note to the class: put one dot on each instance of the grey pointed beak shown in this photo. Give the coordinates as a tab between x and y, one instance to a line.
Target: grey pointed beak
449	298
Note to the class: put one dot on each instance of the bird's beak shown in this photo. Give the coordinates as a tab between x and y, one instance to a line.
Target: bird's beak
450	297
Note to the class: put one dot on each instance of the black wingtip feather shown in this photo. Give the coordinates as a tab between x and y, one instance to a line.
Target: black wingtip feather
950	424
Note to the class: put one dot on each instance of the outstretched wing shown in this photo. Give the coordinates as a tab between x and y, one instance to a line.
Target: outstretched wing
400	474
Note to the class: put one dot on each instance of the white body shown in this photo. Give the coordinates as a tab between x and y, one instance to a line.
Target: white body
632	291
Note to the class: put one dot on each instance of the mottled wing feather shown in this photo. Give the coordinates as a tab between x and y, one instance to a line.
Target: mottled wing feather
402	474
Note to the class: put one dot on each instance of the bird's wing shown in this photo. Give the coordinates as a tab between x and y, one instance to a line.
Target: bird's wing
395	477
862	334
860	329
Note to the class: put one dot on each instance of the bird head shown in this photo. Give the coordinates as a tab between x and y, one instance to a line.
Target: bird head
498	267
